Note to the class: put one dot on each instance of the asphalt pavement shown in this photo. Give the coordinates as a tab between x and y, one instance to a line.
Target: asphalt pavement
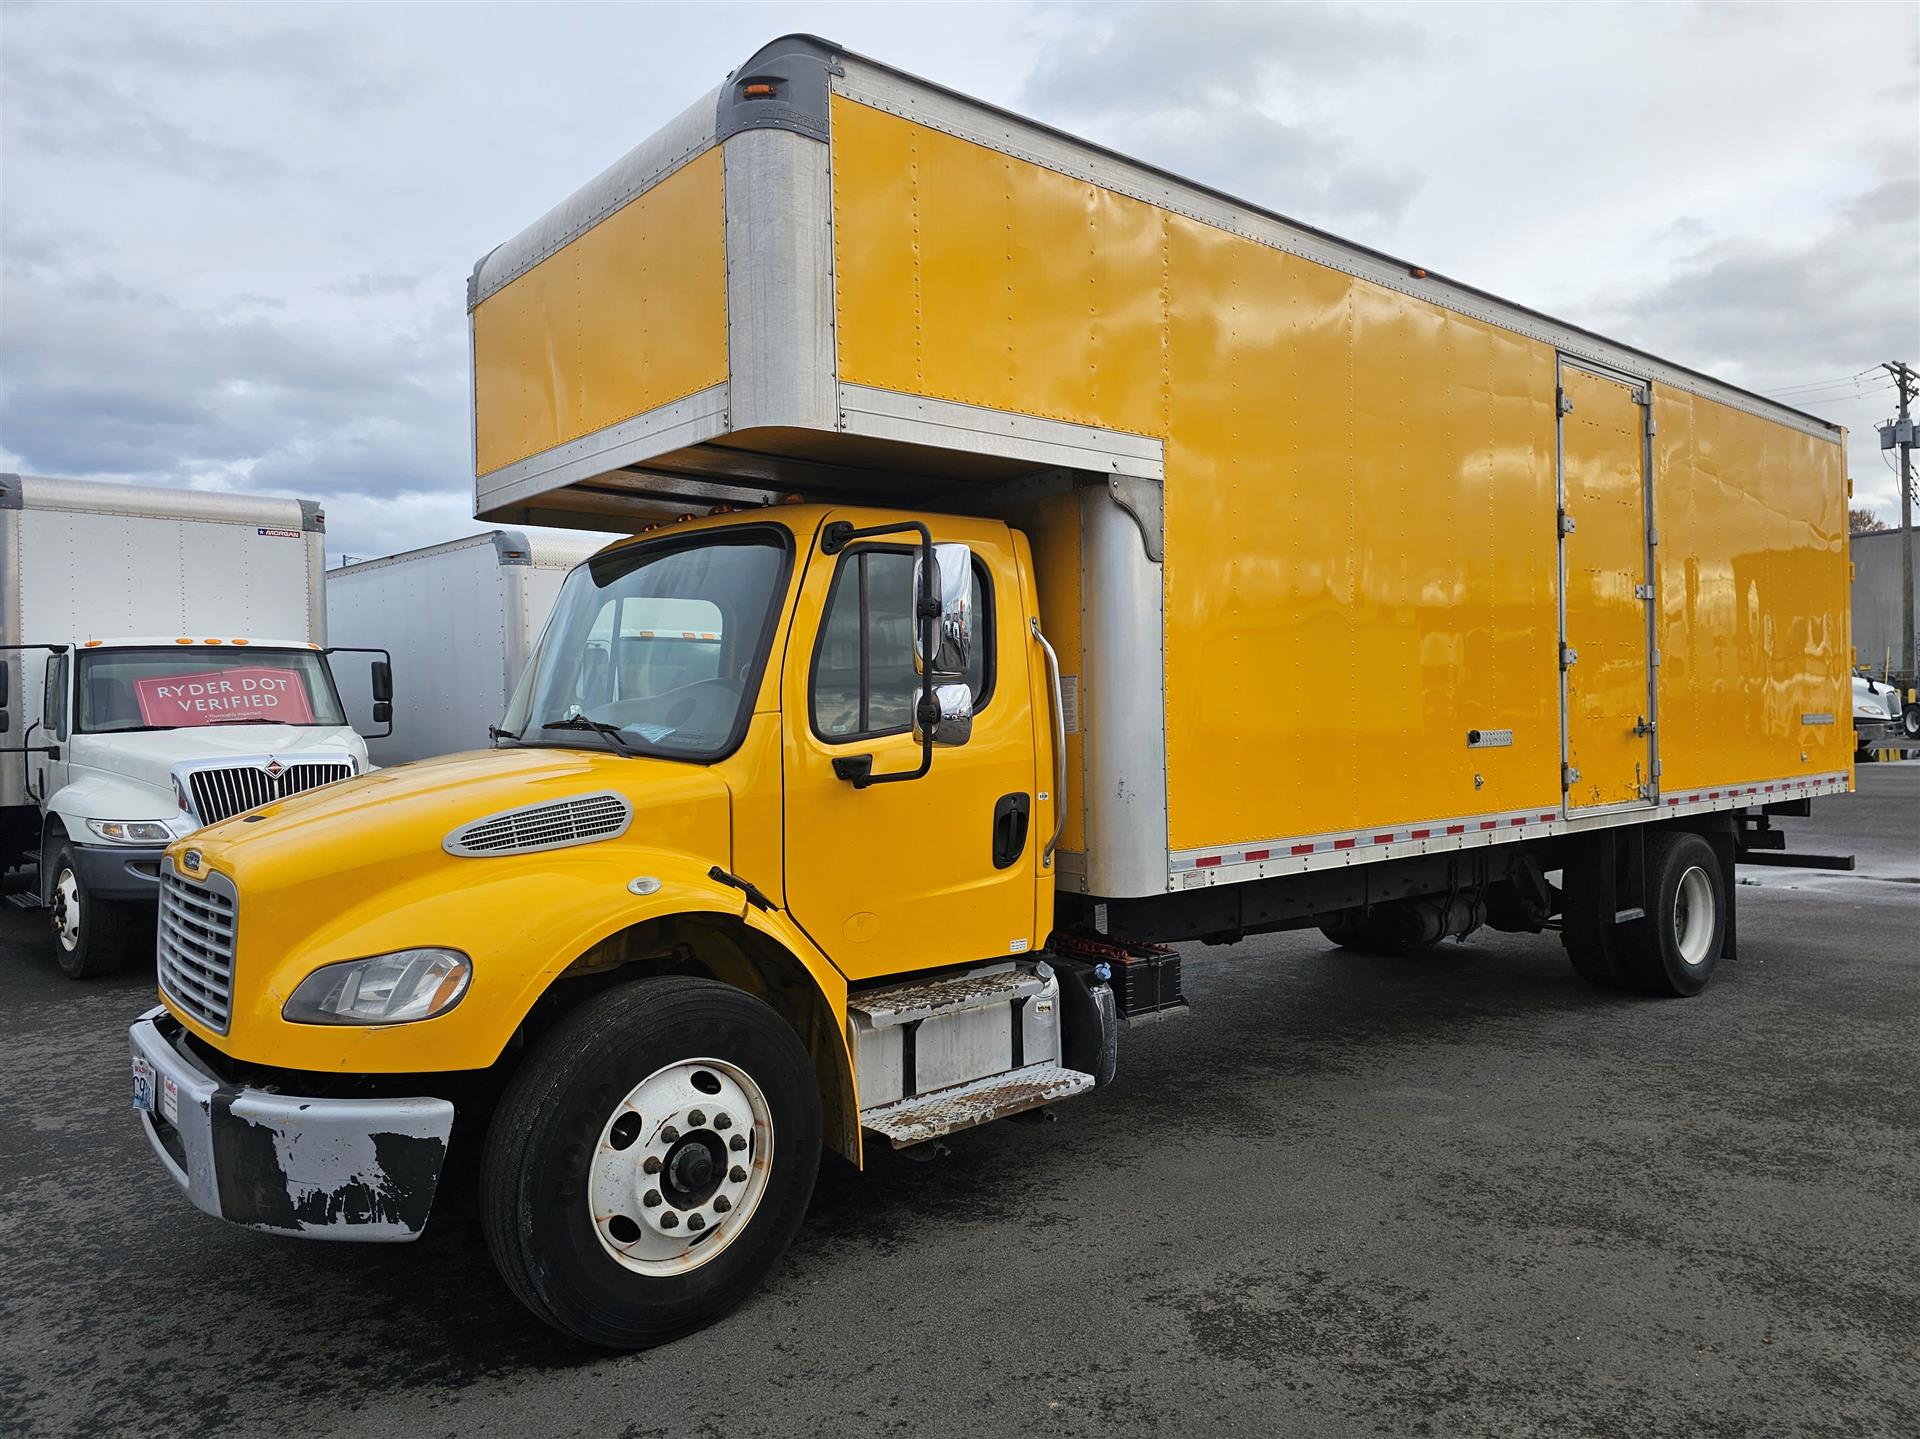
1465	1195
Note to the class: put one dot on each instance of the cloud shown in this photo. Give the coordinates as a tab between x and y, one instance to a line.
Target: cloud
1206	90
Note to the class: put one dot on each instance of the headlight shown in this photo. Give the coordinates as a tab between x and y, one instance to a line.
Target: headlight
386	989
131	831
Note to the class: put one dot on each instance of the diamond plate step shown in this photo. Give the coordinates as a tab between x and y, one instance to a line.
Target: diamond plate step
905	1003
928	1116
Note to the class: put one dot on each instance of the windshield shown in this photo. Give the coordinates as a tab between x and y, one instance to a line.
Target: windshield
188	686
661	641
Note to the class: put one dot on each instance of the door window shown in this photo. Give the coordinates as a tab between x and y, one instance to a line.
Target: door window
864	683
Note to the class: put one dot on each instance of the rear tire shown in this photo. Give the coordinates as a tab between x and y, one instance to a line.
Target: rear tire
91	937
1673	951
589	1202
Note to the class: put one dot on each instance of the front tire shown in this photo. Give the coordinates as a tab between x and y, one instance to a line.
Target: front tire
650	1161
91	936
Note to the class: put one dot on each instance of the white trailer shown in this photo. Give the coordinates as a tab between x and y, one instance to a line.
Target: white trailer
162	667
460	619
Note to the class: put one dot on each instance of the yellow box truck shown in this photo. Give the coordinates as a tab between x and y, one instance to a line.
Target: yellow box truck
1020	531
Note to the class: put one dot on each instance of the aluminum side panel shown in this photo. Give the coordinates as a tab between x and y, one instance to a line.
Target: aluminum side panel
629	316
1752	624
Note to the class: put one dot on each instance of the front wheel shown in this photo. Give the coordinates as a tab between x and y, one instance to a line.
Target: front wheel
650	1161
91	936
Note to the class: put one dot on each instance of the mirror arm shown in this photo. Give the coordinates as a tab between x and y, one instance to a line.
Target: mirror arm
858	769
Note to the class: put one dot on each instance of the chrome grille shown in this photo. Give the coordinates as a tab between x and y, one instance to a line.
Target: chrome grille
553	825
222	793
195	948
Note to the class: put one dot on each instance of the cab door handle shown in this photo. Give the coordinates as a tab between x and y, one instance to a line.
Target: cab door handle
1010	829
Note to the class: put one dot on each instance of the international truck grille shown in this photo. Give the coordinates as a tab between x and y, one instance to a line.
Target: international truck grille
553	825
195	949
222	793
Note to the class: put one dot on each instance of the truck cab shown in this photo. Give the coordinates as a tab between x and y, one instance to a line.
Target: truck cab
140	740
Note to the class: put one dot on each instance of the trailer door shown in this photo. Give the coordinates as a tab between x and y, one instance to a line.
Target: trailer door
1606	586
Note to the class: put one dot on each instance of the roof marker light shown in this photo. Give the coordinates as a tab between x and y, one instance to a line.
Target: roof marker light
759	90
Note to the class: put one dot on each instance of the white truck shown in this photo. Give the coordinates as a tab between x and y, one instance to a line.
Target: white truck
462	618
162	667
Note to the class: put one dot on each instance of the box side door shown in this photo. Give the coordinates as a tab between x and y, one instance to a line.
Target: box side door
1606	589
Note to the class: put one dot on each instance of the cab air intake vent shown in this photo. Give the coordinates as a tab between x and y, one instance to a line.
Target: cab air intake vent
553	825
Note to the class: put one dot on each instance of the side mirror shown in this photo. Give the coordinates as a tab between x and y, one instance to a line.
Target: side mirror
953	588
382	690
6	721
6	686
383	712
955	725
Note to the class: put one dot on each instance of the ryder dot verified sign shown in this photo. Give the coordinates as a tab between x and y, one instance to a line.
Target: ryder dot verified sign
260	692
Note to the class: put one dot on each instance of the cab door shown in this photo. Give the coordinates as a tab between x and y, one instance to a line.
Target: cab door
928	872
1606	652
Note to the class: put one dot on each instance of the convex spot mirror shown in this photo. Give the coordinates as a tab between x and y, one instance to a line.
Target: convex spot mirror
953	635
955	725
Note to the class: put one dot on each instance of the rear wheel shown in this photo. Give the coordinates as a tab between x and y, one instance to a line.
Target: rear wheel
1675	948
91	937
650	1161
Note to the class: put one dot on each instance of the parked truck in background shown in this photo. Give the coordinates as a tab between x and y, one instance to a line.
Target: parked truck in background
162	667
1039	506
460	619
1879	650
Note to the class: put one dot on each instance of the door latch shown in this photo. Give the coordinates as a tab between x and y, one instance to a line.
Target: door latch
1644	727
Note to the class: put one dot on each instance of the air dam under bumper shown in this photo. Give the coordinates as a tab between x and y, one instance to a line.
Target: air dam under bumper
356	1169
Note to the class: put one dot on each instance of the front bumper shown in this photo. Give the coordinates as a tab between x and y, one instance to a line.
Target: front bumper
359	1169
119	871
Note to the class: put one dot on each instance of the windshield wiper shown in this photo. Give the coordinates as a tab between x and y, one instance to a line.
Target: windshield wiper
495	733
611	731
244	719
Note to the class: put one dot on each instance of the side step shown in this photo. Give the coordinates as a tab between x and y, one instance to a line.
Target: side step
909	1003
929	1116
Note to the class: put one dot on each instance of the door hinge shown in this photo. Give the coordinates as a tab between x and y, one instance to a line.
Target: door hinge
1564	401
1656	768
1643	592
1642	397
1646	791
1566	523
1569	776
1653	659
1569	656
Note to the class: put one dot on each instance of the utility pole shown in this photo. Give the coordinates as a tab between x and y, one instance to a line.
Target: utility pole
1905	381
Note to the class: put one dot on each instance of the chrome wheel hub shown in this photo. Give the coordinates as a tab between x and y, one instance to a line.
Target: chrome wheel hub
1694	916
66	910
681	1166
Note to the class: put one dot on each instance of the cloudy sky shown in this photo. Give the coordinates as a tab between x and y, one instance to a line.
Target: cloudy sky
234	241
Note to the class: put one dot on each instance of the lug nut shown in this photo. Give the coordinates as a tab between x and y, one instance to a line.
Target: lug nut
696	1117
670	1134
669	1220
737	1175
651	1199
722	1204
652	1166
739	1141
694	1221
723	1121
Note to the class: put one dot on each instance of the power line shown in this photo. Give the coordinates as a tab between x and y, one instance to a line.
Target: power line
1824	384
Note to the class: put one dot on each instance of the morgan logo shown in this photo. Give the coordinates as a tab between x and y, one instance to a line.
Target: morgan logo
274	769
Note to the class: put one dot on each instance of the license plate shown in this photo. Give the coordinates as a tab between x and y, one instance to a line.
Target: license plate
170	1100
142	1084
